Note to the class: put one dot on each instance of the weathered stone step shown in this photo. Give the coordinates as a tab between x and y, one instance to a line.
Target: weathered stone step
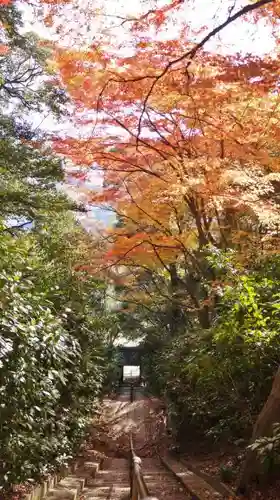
155	473
115	463
113	492
67	489
168	491
161	483
172	492
112	481
113	472
98	492
120	492
108	478
107	482
87	469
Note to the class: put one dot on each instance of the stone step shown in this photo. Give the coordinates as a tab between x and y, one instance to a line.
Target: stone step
100	491
120	492
160	482
115	463
154	473
87	469
172	492
67	489
113	494
113	472
99	482
165	482
112	481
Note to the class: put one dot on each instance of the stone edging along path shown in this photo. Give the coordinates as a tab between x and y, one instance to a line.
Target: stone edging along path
199	488
61	481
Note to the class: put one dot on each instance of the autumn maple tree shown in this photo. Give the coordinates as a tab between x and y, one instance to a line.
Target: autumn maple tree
179	160
187	141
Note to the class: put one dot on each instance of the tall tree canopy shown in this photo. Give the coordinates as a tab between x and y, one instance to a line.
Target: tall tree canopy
187	139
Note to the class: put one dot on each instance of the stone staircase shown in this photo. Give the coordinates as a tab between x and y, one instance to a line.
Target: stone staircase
93	480
160	482
97	476
111	481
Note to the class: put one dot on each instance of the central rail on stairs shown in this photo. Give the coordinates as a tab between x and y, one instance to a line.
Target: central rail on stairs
138	489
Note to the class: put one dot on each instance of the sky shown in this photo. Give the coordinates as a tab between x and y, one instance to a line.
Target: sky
240	37
237	37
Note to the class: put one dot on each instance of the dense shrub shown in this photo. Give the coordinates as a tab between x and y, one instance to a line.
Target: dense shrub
217	380
37	358
53	350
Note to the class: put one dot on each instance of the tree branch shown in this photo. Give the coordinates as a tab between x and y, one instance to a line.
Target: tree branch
191	53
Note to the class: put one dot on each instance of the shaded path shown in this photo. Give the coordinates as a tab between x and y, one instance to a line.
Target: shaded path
143	417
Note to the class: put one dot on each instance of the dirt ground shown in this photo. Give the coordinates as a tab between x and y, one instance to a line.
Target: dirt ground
144	418
227	461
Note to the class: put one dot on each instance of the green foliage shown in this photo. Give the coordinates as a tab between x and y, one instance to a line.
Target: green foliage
216	380
28	176
268	449
54	330
53	348
37	357
25	79
29	172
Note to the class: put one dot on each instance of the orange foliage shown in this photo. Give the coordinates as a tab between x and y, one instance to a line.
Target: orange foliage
3	49
185	143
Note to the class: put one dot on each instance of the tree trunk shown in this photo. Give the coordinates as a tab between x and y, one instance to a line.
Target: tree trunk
269	415
204	317
176	320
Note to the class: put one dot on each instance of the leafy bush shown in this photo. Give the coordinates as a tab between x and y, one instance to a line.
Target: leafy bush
217	380
53	350
37	357
268	449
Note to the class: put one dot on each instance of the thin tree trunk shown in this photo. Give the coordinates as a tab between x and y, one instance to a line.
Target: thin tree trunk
204	317
269	415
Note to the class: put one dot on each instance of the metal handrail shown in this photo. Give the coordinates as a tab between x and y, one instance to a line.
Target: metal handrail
138	487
